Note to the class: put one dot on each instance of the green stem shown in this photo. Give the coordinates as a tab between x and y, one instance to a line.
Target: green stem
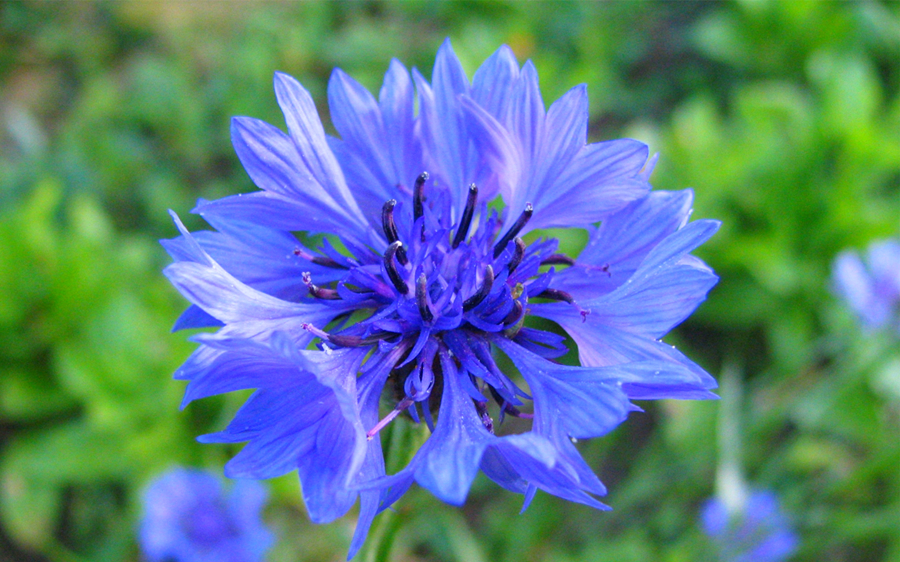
730	485
382	537
56	552
404	440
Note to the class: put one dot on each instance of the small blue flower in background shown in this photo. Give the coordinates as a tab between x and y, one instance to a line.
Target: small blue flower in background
870	285
189	517
756	531
420	286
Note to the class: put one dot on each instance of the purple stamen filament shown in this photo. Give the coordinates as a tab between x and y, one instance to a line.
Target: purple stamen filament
517	256
486	285
516	228
558	259
397	260
318	260
390	229
319	292
402	405
422	298
392	272
419	196
466	219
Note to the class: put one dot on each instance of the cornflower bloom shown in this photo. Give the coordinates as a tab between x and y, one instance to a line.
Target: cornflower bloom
871	285
188	517
419	286
754	531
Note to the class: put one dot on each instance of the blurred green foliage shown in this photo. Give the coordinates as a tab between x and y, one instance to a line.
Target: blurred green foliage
783	116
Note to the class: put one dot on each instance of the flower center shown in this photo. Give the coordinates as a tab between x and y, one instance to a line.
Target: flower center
436	293
209	523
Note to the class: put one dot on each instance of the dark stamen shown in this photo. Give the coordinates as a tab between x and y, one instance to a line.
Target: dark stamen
517	256
319	292
516	227
418	196
558	259
514	314
356	341
486	284
345	340
557	295
481	408
466	219
506	407
390	229
318	260
392	272
402	405
422	298
387	221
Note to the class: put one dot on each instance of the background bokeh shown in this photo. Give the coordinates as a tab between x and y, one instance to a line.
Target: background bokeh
784	118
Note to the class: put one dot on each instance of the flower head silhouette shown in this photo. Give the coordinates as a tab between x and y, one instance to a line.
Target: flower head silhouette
189	517
758	532
420	288
870	285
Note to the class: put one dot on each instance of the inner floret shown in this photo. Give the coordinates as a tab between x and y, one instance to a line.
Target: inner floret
443	290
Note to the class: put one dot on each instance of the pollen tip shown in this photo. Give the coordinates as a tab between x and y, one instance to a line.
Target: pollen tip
422	298
391	269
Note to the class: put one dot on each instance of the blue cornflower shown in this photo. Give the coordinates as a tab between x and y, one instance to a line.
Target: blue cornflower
188	517
420	286
756	531
871	285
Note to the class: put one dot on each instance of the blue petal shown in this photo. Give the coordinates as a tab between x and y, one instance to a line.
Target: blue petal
675	247
527	114
566	128
370	386
859	287
270	158
357	118
496	148
275	211
616	249
397	102
195	317
362	151
568	183
263	258
565	476
583	402
598	181
502	471
448	462
673	374
207	285
663	291
309	137
443	124
274	164
300	419
449	81
655	306
232	372
198	362
493	81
